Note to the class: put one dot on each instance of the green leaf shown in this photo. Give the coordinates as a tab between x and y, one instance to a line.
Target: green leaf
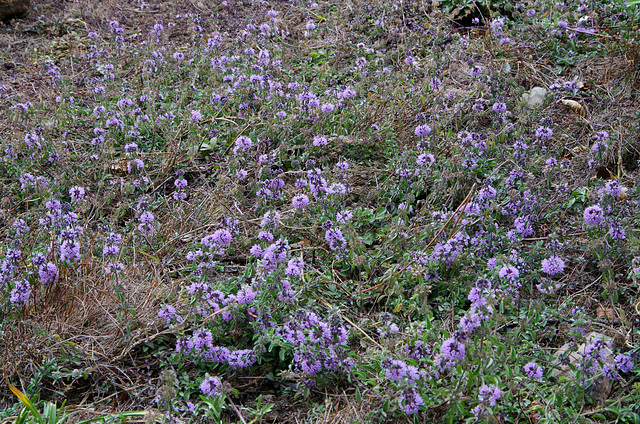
27	403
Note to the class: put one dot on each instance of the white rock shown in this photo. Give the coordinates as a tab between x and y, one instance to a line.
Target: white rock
600	389
535	97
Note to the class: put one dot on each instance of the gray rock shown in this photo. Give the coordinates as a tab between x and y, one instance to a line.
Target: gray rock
535	97
13	8
600	389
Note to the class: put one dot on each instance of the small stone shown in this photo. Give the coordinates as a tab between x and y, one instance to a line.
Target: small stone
535	97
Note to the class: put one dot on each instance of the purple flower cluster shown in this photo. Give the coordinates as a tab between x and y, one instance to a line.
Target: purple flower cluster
48	273
396	370
533	370
218	242
593	215
210	386
146	219
200	346
169	314
272	255
243	143
452	351
594	359
552	265
210	300
335	238
20	293
489	395
294	267
180	184
411	401
481	297
417	350
447	251
318	345
300	201
111	247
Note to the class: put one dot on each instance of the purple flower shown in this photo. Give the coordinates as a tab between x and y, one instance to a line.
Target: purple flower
70	251
130	147
551	162
425	159
245	295
210	386
335	239
270	219
48	273
613	188
266	236
342	165
602	135
53	205
593	215
294	267
411	401
222	237
178	56
136	164
196	115
20	226
523	226
499	107
544	133
243	142
452	349
300	201
265	29
180	183
146	217
76	193
241	358
319	141
533	370
487	192
328	107
616	232
509	272
110	250
423	130
489	395
168	313
553	265
20	292
343	217
623	363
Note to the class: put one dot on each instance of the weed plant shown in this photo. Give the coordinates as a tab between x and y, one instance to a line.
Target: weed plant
246	211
